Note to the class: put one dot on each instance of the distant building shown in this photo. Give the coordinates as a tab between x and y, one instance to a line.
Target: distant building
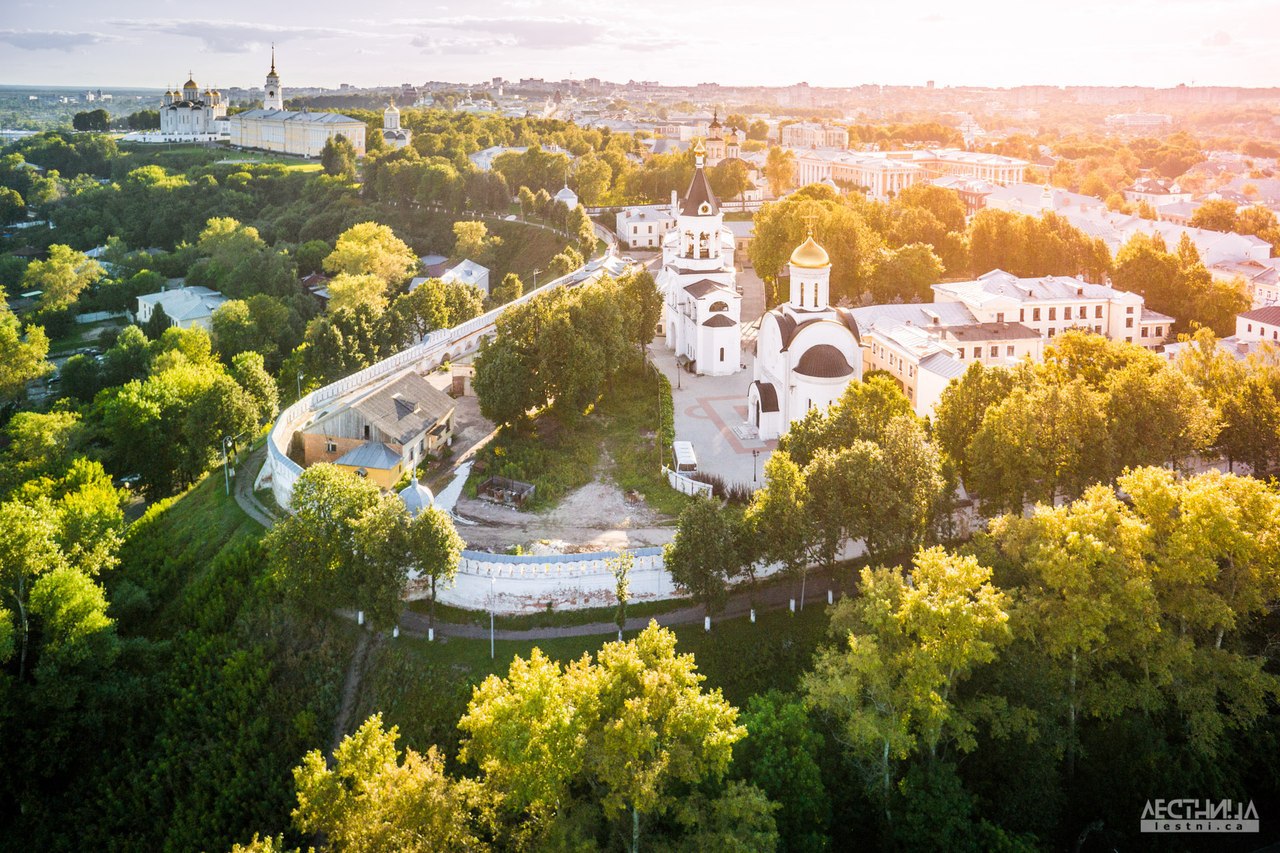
184	306
814	135
644	226
567	197
1156	192
1261	277
301	133
393	134
191	115
884	174
1139	121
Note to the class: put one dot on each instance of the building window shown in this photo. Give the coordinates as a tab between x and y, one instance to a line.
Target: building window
995	352
1145	330
1097	312
962	352
1128	322
330	447
1051	331
1128	339
1128	309
1035	314
722	353
1053	313
1022	314
1066	313
1251	327
1098	329
366	432
999	316
1009	351
1159	331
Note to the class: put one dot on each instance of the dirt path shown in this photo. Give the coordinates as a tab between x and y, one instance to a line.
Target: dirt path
365	645
243	490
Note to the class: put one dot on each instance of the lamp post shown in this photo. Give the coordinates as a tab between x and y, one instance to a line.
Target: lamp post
755	463
491	655
299	384
227	441
535	279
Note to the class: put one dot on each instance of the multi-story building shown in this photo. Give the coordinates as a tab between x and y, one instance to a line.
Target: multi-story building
883	174
301	133
814	135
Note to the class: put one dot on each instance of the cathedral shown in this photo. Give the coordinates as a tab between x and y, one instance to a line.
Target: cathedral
393	134
702	308
807	352
298	132
192	115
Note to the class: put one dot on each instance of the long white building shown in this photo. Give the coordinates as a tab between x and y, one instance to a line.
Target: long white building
883	174
298	132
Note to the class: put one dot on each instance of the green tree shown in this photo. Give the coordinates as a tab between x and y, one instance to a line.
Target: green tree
434	551
338	157
779	518
28	553
371	800
22	353
620	566
703	556
372	249
510	288
348	292
904	648
1215	215
61	278
780	170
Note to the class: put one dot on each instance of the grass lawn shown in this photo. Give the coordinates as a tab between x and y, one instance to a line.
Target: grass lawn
546	619
424	687
558	458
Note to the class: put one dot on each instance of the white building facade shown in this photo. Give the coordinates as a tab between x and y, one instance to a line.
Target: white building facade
300	133
702	309
192	115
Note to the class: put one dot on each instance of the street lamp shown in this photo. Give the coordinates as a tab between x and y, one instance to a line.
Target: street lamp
227	442
755	456
535	279
299	384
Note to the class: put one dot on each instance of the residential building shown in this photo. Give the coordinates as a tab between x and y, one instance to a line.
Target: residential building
184	306
1261	277
380	433
468	272
644	226
1260	324
808	350
1156	192
701	305
1053	304
883	174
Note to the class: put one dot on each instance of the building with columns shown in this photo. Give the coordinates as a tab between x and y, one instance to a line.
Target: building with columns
298	132
883	174
190	115
702	309
808	350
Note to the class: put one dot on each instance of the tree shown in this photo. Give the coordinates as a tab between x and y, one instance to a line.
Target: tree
780	755
157	324
780	170
962	407
338	157
863	412
620	566
633	727
28	553
249	372
370	800
778	517
1215	215
510	289
906	273
472	241
904	648
435	550
372	249
62	278
12	206
314	552
703	556
22	353
348	292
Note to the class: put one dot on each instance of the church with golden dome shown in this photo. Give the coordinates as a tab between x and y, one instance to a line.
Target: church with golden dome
807	352
190	115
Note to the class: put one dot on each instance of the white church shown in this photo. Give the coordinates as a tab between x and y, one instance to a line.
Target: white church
193	116
702	309
299	132
808	350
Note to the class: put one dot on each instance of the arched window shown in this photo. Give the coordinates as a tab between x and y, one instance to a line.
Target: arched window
722	353
720	306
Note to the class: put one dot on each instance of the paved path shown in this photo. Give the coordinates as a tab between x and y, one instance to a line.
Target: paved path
246	473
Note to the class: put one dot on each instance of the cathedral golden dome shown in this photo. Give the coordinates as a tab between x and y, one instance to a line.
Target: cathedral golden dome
809	255
191	84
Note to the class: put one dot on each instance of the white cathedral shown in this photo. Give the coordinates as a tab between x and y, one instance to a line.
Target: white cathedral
192	116
808	351
702	309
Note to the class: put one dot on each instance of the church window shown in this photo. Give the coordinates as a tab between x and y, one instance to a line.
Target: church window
722	353
330	447
366	432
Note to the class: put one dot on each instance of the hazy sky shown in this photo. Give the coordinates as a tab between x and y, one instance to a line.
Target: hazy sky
823	42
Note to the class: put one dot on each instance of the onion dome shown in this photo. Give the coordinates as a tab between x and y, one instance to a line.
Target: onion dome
809	255
416	497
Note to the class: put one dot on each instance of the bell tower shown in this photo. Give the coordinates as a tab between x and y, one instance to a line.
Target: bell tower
810	275
273	97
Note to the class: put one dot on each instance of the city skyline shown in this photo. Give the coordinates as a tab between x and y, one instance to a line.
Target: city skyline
988	43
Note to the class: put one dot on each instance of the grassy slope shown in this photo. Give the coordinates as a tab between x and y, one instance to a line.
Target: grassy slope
424	687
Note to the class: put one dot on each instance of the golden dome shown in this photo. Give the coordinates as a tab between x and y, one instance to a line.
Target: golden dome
699	148
809	255
191	84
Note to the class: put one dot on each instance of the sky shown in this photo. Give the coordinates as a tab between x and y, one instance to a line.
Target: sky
103	43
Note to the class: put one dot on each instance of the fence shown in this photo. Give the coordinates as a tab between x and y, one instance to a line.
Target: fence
686	486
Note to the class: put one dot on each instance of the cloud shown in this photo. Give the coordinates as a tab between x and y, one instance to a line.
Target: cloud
51	39
935	18
1218	39
234	36
529	32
